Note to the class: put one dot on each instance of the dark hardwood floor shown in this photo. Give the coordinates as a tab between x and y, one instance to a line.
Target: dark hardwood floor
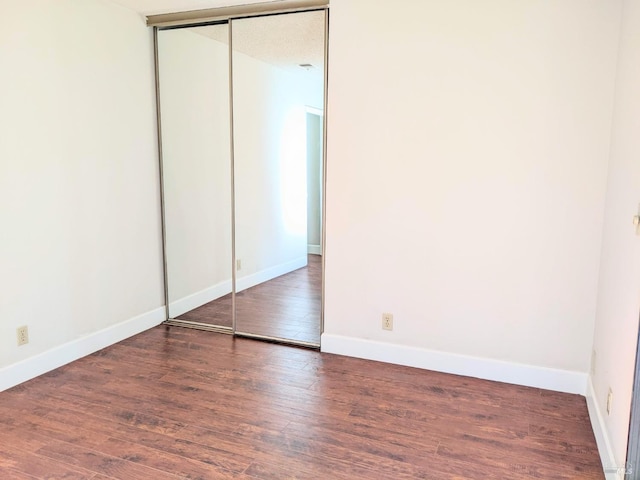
176	403
286	307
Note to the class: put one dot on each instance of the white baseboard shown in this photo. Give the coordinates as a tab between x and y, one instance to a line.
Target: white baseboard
195	300
611	470
248	281
29	368
488	369
519	374
314	249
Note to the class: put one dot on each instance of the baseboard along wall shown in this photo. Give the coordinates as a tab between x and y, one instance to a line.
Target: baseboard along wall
518	374
32	367
195	300
314	249
488	369
612	470
248	281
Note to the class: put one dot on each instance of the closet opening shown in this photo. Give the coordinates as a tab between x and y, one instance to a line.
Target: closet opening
241	121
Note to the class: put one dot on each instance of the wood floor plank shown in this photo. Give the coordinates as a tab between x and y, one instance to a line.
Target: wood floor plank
100	462
32	465
499	457
11	474
34	434
161	459
213	455
176	403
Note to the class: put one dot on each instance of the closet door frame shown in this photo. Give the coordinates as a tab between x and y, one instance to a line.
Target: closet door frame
226	15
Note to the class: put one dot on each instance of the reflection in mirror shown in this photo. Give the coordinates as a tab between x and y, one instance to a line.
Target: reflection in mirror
278	95
196	162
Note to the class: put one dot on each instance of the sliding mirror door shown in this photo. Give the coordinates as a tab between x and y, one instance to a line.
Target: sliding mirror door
193	76
278	104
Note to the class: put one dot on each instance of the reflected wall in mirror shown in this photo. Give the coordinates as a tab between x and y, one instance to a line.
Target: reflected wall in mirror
278	97
193	75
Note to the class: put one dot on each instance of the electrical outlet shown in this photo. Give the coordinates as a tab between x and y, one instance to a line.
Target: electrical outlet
23	335
238	264
387	321
609	401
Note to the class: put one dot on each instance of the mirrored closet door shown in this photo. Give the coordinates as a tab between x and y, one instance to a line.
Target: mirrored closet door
193	78
278	96
241	114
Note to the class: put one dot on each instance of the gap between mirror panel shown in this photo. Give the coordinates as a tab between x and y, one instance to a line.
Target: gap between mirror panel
194	113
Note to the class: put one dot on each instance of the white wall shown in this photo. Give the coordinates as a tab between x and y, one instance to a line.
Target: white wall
467	163
616	328
194	93
80	247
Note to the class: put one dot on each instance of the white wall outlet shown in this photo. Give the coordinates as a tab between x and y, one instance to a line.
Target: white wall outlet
23	335
387	321
609	401
238	264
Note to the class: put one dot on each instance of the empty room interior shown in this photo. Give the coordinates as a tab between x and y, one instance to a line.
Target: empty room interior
319	239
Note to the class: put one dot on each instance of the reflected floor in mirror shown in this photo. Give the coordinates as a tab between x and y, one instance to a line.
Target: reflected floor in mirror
285	307
217	312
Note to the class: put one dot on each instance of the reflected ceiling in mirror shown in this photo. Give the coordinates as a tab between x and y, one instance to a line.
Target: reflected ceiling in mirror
269	40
